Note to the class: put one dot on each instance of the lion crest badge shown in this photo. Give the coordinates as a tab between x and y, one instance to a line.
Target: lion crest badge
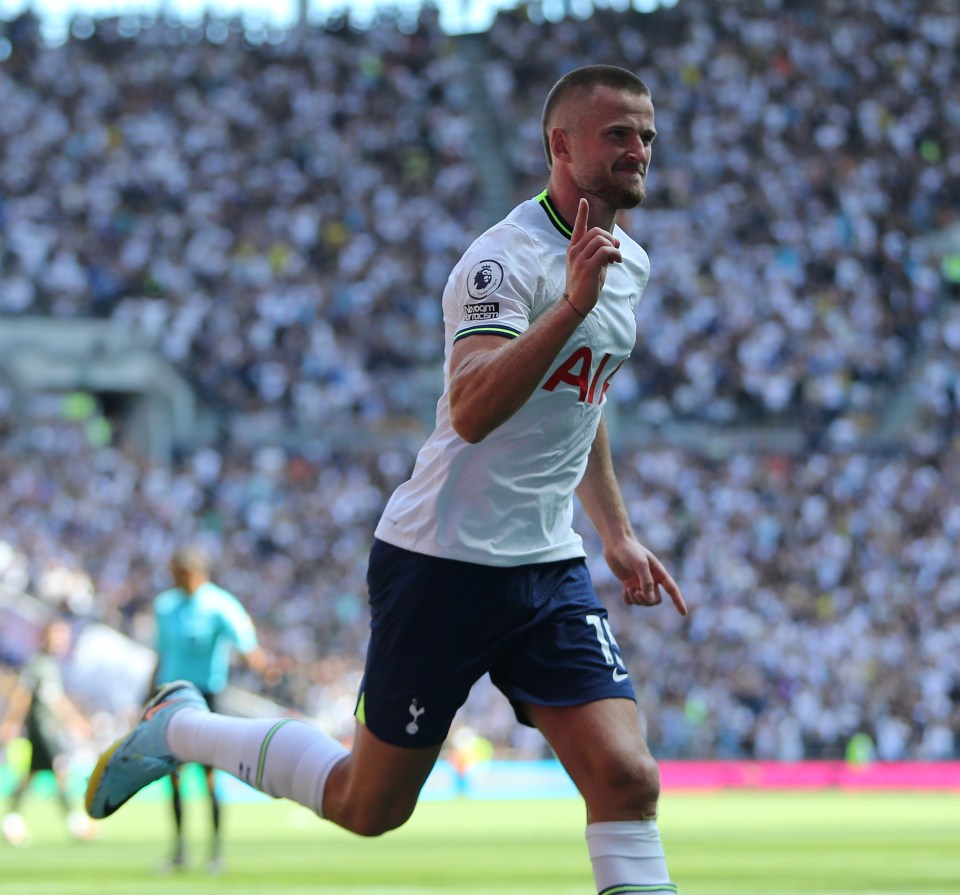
484	278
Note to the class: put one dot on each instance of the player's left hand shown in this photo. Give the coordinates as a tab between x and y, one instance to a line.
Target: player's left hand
643	577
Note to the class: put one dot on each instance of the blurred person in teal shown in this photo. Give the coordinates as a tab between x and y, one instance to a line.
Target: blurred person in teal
199	627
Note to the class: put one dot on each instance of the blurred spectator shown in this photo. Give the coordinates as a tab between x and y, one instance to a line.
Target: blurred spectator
38	706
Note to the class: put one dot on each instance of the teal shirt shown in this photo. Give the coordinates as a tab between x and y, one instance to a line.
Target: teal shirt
197	634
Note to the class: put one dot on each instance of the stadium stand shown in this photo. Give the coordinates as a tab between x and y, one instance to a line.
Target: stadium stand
275	223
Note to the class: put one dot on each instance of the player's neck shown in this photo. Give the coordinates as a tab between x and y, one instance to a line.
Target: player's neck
566	198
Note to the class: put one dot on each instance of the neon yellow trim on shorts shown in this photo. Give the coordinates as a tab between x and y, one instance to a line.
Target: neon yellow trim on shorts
361	712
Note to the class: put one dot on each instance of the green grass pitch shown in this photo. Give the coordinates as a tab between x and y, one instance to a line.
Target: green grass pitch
828	843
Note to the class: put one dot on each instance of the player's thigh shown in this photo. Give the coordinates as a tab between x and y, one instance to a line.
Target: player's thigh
377	787
602	748
383	771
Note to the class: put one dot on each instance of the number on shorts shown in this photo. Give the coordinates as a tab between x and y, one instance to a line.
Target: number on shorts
609	647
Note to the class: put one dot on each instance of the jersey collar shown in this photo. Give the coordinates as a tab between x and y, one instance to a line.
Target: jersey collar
555	217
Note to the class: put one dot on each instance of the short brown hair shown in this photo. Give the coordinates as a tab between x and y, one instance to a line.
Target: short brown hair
586	78
192	558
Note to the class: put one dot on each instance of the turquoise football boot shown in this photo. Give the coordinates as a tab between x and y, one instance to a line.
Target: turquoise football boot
142	756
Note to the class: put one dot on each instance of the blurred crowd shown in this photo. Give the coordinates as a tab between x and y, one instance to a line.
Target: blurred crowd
825	589
805	152
280	220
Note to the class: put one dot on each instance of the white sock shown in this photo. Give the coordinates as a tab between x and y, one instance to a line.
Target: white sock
284	758
627	856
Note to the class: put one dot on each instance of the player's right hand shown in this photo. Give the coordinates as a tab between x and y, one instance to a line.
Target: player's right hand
588	255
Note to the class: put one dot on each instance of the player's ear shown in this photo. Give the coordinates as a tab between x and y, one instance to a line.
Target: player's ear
559	144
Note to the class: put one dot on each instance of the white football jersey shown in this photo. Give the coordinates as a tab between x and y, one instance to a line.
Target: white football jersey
508	500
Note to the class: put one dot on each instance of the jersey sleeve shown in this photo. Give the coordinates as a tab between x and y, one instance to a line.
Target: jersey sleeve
238	624
496	285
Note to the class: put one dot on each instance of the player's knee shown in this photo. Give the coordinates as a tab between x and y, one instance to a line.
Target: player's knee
648	787
633	786
645	787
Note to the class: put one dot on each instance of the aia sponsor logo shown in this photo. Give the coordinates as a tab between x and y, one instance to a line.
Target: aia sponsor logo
578	371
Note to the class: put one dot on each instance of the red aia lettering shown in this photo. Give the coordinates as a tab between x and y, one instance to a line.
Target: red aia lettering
575	371
606	382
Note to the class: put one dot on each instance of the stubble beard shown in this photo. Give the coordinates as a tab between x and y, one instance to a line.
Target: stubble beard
613	194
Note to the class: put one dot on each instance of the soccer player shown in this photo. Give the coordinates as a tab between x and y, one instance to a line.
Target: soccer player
40	706
475	566
199	625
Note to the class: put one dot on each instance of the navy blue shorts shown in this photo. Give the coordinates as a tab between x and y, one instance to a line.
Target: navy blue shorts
438	625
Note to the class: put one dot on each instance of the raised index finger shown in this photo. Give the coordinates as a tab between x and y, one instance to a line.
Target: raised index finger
580	224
